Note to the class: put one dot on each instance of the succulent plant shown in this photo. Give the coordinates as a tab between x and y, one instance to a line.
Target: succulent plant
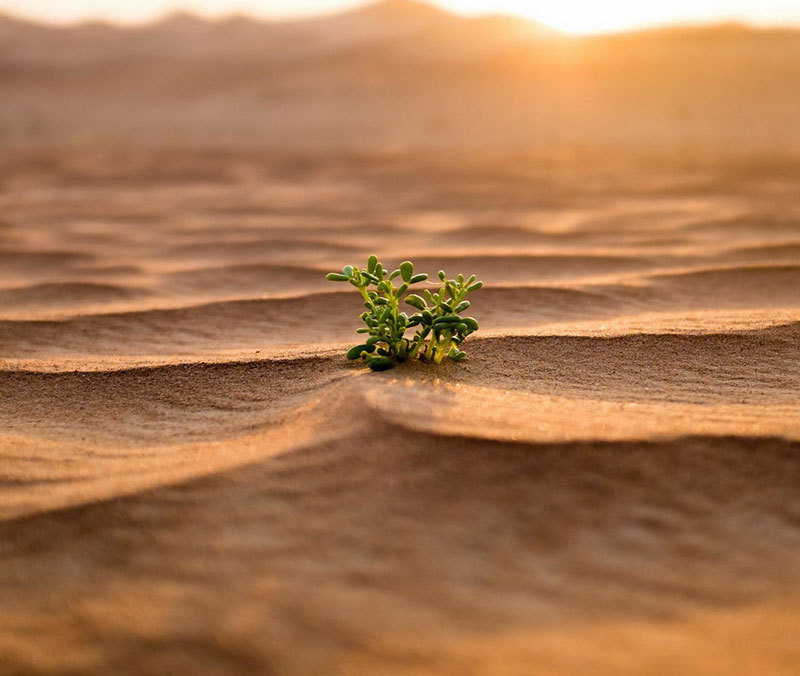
439	325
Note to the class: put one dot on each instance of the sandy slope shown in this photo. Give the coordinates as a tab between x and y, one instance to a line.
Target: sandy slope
193	479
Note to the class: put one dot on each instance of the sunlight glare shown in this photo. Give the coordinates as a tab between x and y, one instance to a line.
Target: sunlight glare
601	16
569	16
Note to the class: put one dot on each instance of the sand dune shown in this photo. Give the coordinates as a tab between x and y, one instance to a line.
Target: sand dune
413	71
427	548
194	480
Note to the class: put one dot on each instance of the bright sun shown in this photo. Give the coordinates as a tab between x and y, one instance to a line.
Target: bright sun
599	16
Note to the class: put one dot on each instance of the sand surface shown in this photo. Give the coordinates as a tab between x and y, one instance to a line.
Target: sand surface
194	480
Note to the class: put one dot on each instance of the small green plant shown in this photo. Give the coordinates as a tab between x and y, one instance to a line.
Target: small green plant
439	327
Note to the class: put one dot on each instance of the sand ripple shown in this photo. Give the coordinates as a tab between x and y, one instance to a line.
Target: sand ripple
194	479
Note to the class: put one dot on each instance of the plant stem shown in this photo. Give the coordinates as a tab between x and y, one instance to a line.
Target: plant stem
444	350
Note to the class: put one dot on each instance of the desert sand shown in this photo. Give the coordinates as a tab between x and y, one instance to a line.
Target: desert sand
194	480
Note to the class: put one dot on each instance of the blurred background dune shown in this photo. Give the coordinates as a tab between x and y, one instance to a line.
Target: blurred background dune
400	76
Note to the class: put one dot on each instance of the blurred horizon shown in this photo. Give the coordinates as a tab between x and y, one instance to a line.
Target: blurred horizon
398	77
577	17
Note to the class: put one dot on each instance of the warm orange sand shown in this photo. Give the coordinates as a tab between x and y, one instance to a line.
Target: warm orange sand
192	478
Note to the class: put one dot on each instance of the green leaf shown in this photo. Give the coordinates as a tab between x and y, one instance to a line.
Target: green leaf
416	301
380	363
371	263
475	286
348	270
472	325
463	305
336	277
407	270
355	352
416	279
442	276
